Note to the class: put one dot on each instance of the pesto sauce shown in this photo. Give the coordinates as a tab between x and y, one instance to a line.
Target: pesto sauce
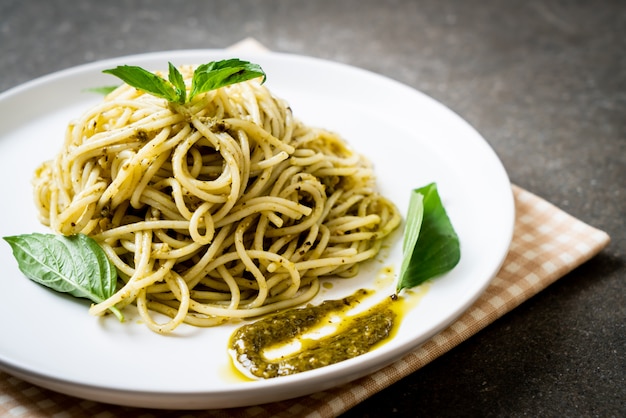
356	335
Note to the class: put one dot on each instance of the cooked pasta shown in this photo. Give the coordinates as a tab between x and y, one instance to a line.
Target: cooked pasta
226	207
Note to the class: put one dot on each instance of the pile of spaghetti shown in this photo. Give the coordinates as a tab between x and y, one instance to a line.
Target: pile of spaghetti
226	207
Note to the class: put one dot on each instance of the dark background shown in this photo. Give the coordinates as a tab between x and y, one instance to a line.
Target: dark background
543	81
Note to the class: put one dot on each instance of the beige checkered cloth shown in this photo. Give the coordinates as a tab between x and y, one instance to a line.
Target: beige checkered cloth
547	244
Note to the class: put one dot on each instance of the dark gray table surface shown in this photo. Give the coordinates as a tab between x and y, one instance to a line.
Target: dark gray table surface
543	81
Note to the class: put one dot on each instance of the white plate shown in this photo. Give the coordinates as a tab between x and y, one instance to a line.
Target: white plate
51	340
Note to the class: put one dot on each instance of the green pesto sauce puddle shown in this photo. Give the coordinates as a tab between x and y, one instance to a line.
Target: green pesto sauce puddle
302	339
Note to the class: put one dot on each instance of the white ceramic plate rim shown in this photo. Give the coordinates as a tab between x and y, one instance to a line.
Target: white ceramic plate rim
473	183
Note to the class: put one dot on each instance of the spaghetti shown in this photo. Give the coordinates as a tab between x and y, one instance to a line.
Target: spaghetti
226	207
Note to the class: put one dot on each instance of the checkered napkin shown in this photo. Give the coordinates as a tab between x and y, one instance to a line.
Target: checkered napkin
547	244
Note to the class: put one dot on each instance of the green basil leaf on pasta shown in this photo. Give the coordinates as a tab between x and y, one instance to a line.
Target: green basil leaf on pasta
103	90
145	81
218	74
176	78
206	77
431	246
74	264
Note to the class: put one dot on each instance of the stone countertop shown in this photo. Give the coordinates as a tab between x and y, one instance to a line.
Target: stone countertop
543	81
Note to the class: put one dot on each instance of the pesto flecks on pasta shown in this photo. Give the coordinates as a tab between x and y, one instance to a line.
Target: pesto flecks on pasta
224	207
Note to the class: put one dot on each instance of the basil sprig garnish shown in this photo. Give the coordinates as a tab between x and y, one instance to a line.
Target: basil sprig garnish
431	246
206	77
103	90
68	264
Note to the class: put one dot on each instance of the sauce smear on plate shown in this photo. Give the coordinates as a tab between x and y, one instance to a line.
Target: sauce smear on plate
307	338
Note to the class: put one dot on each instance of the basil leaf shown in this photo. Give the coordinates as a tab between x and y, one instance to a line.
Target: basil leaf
74	264
218	74
206	77
431	246
176	78
104	90
414	219
145	81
